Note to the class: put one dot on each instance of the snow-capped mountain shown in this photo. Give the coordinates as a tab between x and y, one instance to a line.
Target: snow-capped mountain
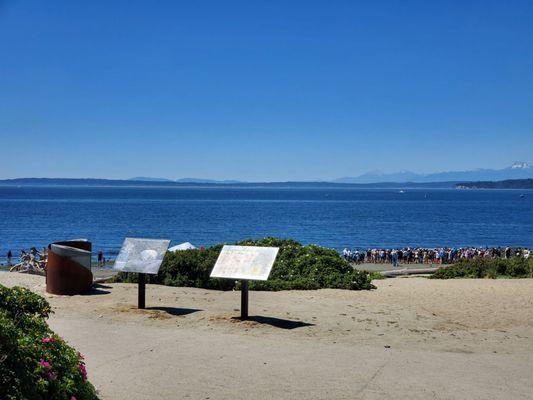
520	165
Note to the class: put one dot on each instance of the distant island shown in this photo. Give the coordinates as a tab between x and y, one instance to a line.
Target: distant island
182	180
154	182
506	184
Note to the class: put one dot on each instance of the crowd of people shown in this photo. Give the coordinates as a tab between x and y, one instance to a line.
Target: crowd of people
406	255
444	255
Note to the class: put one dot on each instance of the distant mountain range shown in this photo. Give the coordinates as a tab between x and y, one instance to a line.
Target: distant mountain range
519	170
404	179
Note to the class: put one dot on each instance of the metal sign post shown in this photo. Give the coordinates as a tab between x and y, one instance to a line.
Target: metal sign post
244	299
141	303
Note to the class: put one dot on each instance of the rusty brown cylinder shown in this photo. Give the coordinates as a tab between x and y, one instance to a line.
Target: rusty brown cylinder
68	270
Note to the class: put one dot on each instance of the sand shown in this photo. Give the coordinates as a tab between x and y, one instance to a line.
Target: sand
412	338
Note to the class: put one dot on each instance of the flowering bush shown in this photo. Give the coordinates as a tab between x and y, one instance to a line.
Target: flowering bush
296	267
35	363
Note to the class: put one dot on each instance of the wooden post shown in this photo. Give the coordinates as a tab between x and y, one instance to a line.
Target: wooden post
142	291
244	299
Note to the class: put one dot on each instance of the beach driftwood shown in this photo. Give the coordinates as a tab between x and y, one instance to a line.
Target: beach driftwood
408	271
29	264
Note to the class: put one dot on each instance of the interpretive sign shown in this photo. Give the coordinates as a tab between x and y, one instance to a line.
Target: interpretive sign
141	255
245	262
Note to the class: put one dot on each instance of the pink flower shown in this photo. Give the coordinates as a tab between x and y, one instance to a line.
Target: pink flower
45	364
83	371
47	339
52	376
73	398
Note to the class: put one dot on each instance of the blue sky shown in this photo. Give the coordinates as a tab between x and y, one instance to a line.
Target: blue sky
263	90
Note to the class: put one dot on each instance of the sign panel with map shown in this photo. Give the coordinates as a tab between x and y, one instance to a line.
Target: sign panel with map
141	255
245	262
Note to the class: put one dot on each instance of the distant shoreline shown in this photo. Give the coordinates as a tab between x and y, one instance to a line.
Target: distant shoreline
518	184
63	182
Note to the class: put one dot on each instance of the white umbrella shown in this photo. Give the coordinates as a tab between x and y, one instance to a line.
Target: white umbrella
182	246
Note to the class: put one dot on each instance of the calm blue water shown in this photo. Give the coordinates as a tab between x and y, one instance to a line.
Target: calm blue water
36	216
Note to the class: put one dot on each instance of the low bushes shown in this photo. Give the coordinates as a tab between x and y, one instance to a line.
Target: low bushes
296	267
35	363
487	268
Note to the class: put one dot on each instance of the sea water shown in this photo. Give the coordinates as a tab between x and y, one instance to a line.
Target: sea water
331	217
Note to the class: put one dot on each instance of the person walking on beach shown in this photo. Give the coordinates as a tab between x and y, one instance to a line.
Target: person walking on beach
100	259
9	257
394	258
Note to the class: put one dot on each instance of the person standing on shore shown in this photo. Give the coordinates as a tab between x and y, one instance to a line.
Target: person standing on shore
507	252
346	253
100	259
394	258
9	257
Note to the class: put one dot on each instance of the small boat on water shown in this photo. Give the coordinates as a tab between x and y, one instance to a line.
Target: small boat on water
522	196
401	191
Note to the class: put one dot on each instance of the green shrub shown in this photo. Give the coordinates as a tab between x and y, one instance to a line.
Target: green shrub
297	267
374	276
487	268
34	362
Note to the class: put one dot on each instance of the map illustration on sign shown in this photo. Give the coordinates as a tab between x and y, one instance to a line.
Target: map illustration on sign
245	262
141	255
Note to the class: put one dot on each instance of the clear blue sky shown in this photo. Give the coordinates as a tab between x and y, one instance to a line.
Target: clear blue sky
263	90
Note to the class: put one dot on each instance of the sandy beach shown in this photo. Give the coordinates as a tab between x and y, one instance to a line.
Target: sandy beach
412	338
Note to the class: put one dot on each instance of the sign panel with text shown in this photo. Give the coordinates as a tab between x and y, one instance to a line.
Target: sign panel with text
245	262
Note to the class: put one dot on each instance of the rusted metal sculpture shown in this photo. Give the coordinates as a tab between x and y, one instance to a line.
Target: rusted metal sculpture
68	271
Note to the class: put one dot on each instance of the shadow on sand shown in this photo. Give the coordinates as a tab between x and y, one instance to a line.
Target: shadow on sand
176	311
276	322
96	289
